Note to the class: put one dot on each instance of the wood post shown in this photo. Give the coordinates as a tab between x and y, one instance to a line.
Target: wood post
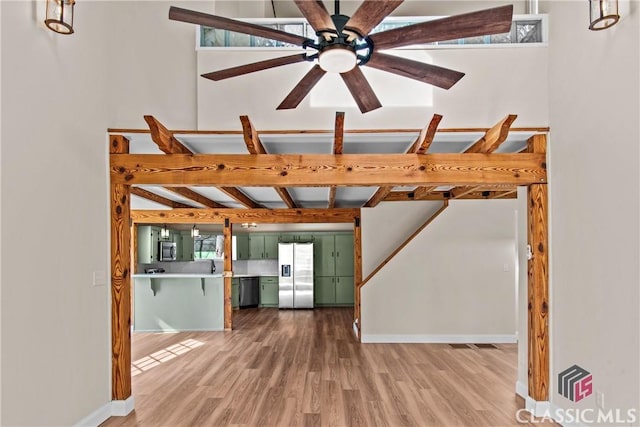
357	272
538	283
228	268
120	282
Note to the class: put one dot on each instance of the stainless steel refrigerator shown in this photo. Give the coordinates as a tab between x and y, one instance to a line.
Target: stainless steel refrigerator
295	275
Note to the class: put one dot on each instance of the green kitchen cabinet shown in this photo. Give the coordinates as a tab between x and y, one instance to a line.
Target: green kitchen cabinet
271	246
263	246
269	291
242	246
344	254
324	291
185	248
344	290
256	246
148	238
296	238
287	238
323	255
235	293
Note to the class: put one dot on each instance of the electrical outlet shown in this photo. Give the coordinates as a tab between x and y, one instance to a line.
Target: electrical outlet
600	399
99	278
505	267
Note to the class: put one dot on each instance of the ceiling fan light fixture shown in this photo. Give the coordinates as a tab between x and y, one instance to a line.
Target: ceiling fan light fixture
59	16
603	14
337	59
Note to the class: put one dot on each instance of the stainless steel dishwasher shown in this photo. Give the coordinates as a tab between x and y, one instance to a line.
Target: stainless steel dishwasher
249	291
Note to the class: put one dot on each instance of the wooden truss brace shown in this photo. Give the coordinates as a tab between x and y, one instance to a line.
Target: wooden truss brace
167	142
338	143
255	146
420	146
140	192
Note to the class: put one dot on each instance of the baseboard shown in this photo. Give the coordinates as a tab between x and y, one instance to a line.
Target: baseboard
440	339
115	408
97	417
522	390
121	408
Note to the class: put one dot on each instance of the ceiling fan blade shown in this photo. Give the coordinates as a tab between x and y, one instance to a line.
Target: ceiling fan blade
253	67
317	15
369	14
303	87
426	73
361	90
207	20
480	23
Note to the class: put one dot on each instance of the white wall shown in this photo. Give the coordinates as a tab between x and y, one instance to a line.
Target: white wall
55	323
59	96
379	241
594	189
152	64
449	283
492	75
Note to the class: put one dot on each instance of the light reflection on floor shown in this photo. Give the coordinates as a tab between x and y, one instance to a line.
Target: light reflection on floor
162	356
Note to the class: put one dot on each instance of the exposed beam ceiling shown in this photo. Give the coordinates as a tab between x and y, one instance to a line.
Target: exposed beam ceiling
420	146
255	146
140	192
266	216
167	142
308	170
338	143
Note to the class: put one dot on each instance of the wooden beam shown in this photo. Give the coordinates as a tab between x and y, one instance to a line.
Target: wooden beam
240	197
378	196
255	146
141	192
164	138
405	243
332	197
192	195
488	144
302	170
493	137
166	141
338	144
421	145
459	192
338	133
357	273
238	216
120	282
228	273
423	142
286	197
528	129
408	196
505	194
251	137
538	284
422	192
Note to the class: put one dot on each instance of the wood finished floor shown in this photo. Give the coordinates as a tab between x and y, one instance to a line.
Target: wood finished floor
304	367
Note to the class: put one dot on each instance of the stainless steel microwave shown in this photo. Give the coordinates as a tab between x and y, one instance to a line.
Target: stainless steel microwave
167	251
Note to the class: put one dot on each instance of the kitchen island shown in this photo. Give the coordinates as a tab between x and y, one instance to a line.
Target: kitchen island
178	302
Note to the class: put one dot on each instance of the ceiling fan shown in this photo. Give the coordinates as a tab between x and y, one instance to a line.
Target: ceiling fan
344	45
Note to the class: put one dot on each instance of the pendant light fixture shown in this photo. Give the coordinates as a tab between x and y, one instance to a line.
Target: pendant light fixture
603	14
60	16
164	232
195	232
